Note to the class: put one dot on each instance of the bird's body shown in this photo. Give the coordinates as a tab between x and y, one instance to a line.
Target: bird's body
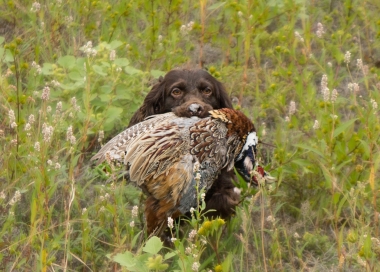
160	153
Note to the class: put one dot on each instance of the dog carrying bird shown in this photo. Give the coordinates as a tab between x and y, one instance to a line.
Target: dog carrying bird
159	155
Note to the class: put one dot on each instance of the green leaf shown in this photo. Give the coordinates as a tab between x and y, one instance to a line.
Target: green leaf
169	255
76	76
122	92
304	164
343	127
121	62
99	70
153	245
105	89
67	62
309	148
47	69
8	56
131	70
105	97
1	39
157	73
114	44
125	259
112	114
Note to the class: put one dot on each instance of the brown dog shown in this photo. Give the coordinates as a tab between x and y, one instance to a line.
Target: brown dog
193	93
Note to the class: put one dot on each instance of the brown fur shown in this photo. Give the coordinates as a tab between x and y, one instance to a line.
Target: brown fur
200	88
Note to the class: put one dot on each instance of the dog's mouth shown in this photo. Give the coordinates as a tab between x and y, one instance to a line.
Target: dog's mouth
193	108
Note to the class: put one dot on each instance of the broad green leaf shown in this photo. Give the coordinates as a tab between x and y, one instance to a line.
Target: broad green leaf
67	86
125	259
342	127
8	56
112	114
114	44
67	62
76	76
157	73
47	69
105	89
99	70
153	245
105	97
131	70
1	39
169	255
122	92
121	62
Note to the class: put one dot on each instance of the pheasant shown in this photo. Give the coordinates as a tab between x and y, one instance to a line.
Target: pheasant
159	155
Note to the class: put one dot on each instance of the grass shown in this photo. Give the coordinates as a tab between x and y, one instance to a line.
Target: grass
72	74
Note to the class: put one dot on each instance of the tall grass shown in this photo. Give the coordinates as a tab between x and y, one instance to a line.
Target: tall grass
72	74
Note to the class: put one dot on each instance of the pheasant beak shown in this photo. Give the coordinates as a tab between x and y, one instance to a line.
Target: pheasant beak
251	171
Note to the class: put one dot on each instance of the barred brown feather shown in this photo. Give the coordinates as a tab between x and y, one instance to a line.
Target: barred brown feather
160	153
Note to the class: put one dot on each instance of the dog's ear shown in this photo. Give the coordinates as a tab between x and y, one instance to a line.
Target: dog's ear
153	103
222	95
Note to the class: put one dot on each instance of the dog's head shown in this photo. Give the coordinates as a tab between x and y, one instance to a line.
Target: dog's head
186	93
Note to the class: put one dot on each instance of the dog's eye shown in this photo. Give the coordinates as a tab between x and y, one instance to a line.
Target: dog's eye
176	92
207	91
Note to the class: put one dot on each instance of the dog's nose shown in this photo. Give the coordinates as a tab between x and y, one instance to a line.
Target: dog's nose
195	109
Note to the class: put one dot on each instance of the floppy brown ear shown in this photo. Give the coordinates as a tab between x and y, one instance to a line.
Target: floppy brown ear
153	103
222	96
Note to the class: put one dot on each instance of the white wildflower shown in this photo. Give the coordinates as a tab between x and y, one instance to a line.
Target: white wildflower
47	131
135	211
35	7
112	55
359	63
170	222
192	234
27	127
101	136
45	93
31	119
271	219
195	266
347	57
316	125
37	146
298	36
55	83
292	108
334	95
374	104
37	67
16	198
320	30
